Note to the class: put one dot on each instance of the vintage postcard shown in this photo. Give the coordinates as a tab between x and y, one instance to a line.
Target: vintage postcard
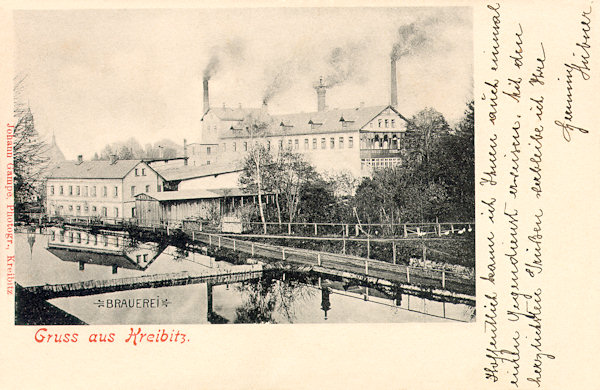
398	193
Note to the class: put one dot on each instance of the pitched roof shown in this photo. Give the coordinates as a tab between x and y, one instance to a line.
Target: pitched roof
93	169
193	172
317	122
233	114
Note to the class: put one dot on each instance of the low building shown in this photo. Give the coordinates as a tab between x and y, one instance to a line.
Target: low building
100	188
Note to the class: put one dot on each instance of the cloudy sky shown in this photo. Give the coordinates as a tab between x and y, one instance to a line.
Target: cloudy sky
99	76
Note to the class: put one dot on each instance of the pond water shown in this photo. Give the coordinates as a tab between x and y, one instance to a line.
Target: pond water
275	298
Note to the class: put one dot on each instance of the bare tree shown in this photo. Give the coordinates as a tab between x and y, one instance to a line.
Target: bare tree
30	154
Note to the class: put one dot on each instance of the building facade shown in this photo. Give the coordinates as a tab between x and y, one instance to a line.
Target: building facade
99	188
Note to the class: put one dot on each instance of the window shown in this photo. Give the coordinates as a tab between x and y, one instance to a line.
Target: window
393	123
105	192
116	212
87	238
341	143
86	209
116	191
79	238
70	190
133	212
104	212
62	190
314	143
323	144
71	209
105	240
208	150
145	257
52	235
380	123
158	188
289	144
136	172
350	142
94	209
305	143
62	236
296	144
234	147
132	190
78	210
78	190
148	188
386	123
70	236
51	190
85	191
245	146
138	258
94	191
280	144
268	145
95	239
331	143
143	171
208	162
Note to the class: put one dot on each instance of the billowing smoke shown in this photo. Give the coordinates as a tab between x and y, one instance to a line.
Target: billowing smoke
280	78
410	40
343	63
232	51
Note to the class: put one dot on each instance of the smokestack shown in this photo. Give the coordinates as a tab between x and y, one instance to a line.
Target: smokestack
79	159
393	85
321	91
206	102
113	159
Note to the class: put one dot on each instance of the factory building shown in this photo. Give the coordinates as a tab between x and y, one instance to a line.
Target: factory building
356	139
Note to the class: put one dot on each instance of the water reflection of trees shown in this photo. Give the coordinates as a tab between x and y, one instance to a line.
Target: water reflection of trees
272	295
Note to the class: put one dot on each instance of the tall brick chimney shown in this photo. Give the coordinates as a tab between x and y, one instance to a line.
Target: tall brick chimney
205	88
321	91
393	85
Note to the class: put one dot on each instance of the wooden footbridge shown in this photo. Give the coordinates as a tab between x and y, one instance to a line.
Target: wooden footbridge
91	287
437	281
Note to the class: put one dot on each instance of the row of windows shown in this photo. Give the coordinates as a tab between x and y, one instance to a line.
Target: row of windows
295	144
385	123
84	191
147	189
77	210
143	171
76	237
380	162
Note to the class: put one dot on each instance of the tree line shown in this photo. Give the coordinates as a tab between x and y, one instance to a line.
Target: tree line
434	181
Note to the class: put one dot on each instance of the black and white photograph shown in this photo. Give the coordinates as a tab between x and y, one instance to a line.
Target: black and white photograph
244	166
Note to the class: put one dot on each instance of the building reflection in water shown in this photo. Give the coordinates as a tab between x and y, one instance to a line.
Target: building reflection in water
111	249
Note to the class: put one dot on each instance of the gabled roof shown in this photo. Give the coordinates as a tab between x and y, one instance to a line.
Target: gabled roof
192	172
93	169
339	120
232	114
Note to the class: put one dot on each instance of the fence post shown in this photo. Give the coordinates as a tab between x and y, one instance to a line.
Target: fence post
443	278
233	244
283	253
394	251
368	248
366	267
452	228
405	231
318	259
439	230
210	239
316	230
344	246
347	230
252	246
167	230
407	276
219	241
193	238
289	228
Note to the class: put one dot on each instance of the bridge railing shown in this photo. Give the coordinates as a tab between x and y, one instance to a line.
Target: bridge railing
427	277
